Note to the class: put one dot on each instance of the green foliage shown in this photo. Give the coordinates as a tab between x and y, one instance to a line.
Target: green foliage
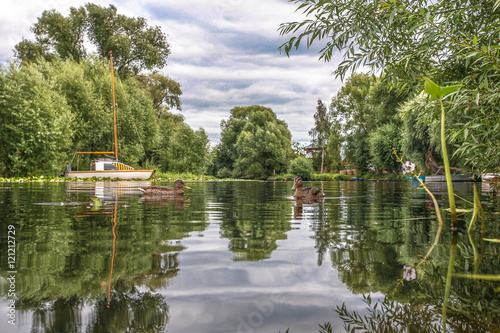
437	92
420	134
49	110
35	121
321	130
301	167
383	35
55	36
329	176
333	158
382	142
387	316
220	163
164	91
136	45
358	151
474	114
184	151
349	106
454	42
359	108
258	143
173	176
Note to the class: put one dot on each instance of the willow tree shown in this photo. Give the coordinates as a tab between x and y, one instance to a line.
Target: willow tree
136	45
450	41
35	121
258	142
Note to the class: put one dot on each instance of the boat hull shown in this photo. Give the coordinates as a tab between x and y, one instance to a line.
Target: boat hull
442	178
113	174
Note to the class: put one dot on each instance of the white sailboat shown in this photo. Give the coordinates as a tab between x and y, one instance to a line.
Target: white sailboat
108	167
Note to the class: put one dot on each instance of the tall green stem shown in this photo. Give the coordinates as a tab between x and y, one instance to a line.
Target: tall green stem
449	184
451	265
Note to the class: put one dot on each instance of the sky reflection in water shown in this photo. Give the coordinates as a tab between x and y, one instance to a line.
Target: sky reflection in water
229	257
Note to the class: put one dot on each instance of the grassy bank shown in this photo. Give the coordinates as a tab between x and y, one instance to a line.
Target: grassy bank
170	176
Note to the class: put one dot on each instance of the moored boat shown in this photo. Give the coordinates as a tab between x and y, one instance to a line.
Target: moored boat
107	167
442	178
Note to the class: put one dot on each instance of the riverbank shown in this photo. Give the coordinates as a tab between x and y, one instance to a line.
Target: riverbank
169	176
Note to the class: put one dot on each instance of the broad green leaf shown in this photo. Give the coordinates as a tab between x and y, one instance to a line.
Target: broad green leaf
448	90
432	89
438	92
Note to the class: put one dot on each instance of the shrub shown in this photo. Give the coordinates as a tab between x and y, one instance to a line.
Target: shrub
302	167
329	176
223	173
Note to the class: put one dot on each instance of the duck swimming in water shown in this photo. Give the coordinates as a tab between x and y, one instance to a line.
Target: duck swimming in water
305	192
166	190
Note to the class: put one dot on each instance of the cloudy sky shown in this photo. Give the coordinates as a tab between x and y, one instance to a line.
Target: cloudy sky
224	53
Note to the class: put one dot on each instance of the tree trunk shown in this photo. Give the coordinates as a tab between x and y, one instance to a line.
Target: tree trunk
322	158
432	165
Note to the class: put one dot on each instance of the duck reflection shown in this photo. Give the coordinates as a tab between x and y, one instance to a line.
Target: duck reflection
299	205
164	201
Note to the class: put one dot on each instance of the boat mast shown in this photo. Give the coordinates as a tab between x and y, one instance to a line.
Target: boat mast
114	105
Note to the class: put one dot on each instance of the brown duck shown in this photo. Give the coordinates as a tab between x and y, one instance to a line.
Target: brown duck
305	192
166	190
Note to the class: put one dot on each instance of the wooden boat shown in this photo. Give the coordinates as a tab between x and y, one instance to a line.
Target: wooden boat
107	167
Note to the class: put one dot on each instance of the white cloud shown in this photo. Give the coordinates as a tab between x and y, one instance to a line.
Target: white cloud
224	53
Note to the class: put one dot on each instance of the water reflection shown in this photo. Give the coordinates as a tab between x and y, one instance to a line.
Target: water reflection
232	255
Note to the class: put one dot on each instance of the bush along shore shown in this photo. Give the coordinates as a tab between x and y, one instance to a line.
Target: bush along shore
169	176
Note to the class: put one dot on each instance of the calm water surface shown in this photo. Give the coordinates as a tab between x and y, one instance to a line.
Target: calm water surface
229	257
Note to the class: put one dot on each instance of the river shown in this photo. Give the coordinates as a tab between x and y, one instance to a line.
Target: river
238	256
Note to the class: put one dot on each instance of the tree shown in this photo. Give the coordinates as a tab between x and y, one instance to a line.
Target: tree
350	108
357	150
164	91
334	149
50	109
35	121
452	42
259	144
420	133
405	39
136	46
362	105
321	130
382	141
56	35
187	150
220	162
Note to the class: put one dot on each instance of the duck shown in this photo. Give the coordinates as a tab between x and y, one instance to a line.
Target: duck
305	192
166	190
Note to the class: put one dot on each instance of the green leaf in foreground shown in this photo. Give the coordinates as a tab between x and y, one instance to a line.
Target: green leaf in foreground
438	92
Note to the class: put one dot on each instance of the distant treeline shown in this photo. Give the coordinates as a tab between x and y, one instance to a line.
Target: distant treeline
55	96
49	110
